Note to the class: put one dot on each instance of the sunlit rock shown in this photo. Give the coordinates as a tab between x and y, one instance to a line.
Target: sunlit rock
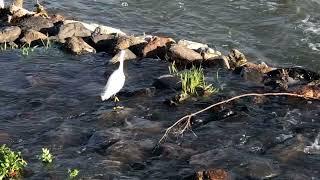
157	47
32	35
76	29
9	34
78	46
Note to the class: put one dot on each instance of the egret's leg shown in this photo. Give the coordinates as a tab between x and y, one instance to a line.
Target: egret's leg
116	99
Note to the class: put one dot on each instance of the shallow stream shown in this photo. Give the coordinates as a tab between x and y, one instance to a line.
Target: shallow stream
51	99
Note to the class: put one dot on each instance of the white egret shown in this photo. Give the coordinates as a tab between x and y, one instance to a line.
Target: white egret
1	4
115	81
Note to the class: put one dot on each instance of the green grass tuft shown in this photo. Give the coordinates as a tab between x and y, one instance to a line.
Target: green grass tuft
192	81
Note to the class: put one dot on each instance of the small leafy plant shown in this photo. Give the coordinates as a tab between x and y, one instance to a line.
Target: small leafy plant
46	156
192	81
73	173
11	163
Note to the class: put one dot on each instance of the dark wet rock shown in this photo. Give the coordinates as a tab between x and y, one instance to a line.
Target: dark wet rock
129	42
33	22
75	29
103	139
210	174
9	34
167	81
250	166
284	78
157	47
130	151
66	135
129	55
174	151
254	72
78	46
183	55
111	117
32	35
236	59
103	42
292	150
143	125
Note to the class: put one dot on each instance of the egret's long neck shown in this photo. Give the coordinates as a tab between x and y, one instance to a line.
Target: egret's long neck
121	64
121	59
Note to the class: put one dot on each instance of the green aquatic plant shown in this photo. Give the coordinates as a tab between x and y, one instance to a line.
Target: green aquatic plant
26	49
46	156
192	81
11	163
73	173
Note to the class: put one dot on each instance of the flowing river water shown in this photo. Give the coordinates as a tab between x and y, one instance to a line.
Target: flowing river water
51	99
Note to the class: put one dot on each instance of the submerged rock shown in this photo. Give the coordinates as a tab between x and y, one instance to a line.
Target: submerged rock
183	55
32	35
167	81
254	72
9	34
251	166
76	29
283	78
157	47
103	139
78	46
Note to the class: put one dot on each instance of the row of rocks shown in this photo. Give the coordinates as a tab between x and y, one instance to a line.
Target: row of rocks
34	28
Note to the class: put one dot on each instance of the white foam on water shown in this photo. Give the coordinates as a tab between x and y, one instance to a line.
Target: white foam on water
311	30
314	148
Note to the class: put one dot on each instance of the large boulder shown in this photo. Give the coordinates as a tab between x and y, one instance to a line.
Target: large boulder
127	42
78	46
36	23
103	42
9	34
157	47
32	35
75	29
183	55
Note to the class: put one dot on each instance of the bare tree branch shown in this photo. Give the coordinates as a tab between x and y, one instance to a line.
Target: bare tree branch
185	121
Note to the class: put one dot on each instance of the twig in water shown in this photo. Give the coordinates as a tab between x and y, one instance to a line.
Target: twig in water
185	121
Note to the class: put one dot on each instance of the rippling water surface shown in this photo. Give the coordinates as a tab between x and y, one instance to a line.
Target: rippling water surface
51	99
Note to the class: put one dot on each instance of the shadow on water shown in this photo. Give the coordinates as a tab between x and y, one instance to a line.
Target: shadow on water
50	99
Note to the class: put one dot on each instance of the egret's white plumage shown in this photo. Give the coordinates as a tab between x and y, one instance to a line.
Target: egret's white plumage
115	81
1	4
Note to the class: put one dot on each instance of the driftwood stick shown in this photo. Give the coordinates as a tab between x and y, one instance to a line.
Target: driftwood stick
185	121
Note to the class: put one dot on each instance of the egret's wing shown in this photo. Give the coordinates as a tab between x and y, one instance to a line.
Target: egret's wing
109	89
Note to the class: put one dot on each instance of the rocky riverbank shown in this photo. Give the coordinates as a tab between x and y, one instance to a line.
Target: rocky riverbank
30	29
